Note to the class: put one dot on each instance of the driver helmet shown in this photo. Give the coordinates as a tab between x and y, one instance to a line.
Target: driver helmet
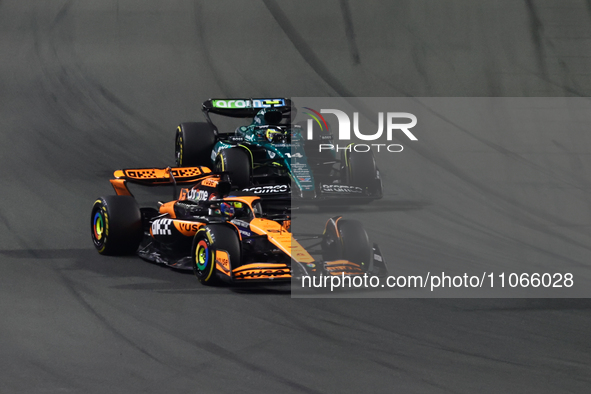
227	209
274	135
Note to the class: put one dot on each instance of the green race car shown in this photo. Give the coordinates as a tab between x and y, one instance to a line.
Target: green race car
271	158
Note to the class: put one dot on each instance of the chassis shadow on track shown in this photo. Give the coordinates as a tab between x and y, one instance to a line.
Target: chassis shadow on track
152	277
376	206
283	289
135	273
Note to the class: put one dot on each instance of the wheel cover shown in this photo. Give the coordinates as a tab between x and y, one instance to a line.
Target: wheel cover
98	226
202	255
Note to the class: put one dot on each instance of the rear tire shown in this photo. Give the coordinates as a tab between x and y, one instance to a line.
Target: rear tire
116	225
347	240
236	162
208	241
193	144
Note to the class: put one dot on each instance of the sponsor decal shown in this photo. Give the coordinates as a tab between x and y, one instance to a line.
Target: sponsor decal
255	103
187	227
231	103
186	172
196	194
341	189
156	173
254	274
210	182
140	174
269	189
161	227
294	156
300	170
240	223
305	179
300	253
243	227
343	268
223	259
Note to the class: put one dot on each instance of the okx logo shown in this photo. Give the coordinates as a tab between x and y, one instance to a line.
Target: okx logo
391	122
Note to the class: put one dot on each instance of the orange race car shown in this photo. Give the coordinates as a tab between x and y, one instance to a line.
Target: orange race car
223	235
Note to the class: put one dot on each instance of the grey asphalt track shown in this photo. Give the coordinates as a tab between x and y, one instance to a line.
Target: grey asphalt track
87	87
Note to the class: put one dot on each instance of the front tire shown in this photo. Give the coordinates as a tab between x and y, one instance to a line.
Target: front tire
193	144
347	240
237	163
360	170
212	242
116	225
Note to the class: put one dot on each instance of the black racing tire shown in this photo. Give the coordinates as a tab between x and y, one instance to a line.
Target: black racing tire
116	225
347	240
207	242
235	161
193	144
360	170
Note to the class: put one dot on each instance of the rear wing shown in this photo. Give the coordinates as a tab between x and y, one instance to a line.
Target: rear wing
158	177
245	108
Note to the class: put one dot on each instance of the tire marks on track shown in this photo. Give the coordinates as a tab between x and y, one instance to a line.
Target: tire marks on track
305	50
71	286
350	31
206	346
202	38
